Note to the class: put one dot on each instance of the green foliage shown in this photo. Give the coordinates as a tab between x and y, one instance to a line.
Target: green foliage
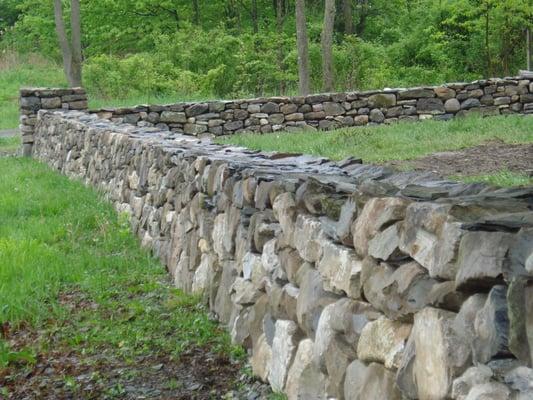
160	48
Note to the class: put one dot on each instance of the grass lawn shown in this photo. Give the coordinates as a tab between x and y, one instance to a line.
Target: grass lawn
73	280
407	141
9	144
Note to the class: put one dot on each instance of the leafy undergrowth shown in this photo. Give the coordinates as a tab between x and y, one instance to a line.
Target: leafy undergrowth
85	313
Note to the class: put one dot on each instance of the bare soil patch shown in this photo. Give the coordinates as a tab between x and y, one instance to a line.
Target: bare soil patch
62	371
488	158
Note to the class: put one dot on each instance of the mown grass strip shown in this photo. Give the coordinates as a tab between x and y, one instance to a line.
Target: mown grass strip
405	141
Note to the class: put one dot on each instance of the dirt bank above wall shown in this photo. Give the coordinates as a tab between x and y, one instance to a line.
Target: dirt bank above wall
342	280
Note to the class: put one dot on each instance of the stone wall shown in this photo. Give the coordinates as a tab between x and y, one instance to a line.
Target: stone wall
34	99
330	111
342	280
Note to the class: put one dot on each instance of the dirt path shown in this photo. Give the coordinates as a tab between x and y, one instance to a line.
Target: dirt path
479	160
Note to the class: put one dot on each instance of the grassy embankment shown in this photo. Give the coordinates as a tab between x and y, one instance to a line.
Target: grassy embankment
408	141
73	275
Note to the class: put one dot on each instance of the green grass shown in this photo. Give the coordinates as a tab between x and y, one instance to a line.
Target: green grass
408	141
61	240
9	144
16	72
393	142
502	178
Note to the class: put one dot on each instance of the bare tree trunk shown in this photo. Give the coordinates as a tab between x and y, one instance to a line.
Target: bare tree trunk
348	16
303	48
75	24
72	59
327	45
196	12
280	17
529	41
255	16
487	41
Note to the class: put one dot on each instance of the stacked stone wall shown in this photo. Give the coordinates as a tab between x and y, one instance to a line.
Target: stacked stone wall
342	280
333	110
34	99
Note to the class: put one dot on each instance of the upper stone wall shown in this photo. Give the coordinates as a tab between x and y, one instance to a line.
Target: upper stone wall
34	99
334	110
343	280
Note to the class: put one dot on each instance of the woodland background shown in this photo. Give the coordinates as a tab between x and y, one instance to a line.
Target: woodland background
238	48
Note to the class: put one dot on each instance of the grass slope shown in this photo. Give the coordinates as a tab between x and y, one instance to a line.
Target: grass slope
72	273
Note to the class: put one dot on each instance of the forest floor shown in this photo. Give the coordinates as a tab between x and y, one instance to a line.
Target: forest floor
86	313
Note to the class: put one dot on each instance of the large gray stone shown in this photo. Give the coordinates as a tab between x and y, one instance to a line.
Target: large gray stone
311	300
372	382
441	355
481	258
383	341
304	381
430	106
382	100
473	376
341	269
489	391
491	327
431	236
333	109
377	214
283	351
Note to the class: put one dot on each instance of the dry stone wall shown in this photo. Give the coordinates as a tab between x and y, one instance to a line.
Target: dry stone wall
342	280
333	110
34	99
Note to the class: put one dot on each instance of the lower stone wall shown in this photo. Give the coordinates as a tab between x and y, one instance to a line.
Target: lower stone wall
343	281
333	110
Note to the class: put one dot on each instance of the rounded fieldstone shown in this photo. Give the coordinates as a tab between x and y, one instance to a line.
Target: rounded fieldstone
452	105
377	116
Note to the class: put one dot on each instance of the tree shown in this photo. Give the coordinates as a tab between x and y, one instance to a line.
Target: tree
196	12
303	48
347	10
70	49
529	50
327	45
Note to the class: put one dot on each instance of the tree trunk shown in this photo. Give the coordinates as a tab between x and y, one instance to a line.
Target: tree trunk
327	45
348	16
196	12
361	25
75	24
487	41
303	48
255	16
280	17
529	41
72	59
